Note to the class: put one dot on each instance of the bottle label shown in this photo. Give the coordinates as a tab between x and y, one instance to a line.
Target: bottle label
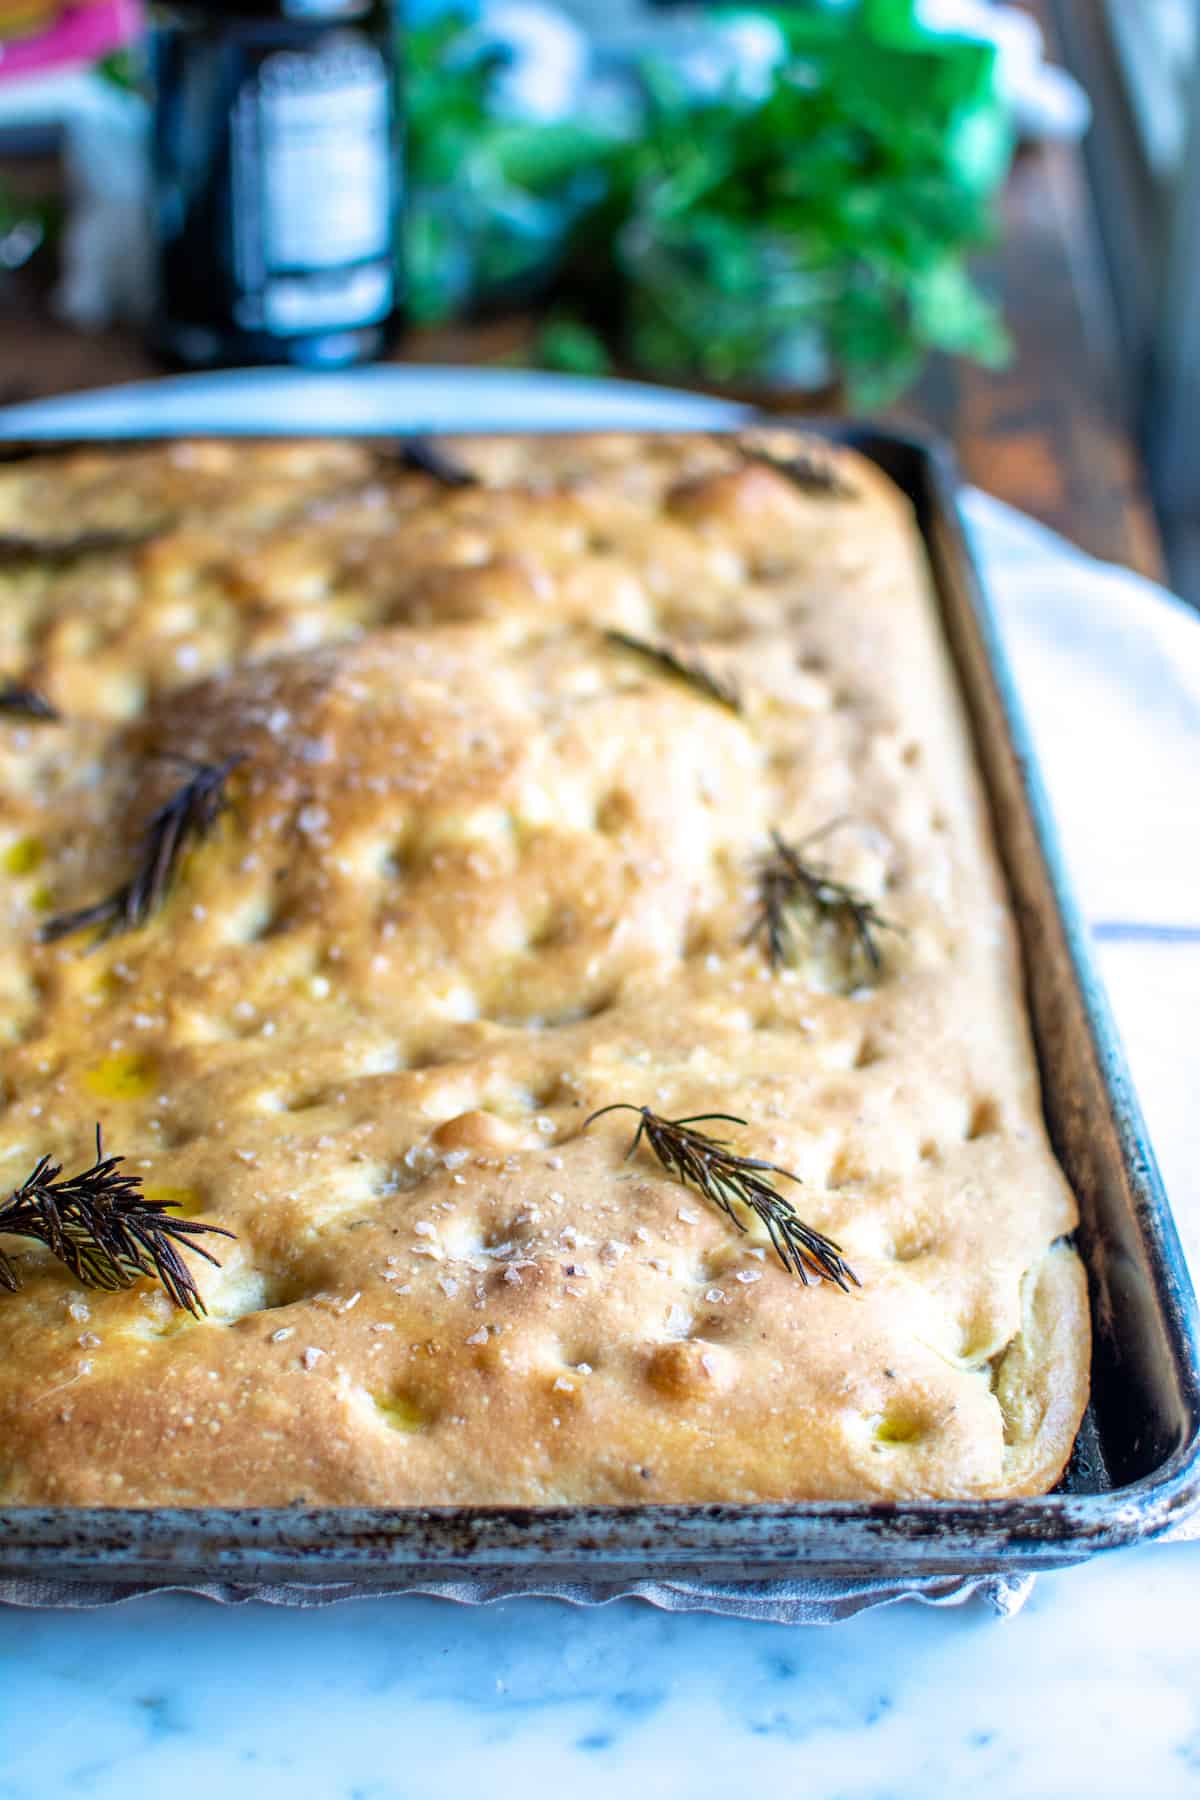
312	190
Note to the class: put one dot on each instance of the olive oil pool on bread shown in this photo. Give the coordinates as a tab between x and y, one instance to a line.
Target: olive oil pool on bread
276	181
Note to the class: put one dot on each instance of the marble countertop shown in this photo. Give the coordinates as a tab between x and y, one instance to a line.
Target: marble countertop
1093	1689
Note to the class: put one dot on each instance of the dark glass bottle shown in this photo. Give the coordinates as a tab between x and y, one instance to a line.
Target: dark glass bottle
276	181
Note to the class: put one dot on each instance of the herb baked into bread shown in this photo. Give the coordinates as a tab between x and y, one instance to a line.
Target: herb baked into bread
544	776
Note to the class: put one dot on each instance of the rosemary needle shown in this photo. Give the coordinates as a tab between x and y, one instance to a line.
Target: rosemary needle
106	1232
688	669
26	703
16	549
805	469
187	817
425	457
787	884
731	1181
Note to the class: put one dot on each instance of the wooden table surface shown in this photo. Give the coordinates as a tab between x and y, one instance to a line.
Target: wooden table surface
1047	434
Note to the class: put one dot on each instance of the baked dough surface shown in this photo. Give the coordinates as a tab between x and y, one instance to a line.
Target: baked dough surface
483	872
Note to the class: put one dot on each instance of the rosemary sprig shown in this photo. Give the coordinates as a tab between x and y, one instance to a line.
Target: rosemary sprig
425	457
683	668
787	885
16	548
99	1224
187	817
26	703
806	469
731	1181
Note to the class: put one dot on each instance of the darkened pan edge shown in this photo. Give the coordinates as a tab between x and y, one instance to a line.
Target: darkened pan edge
1143	1426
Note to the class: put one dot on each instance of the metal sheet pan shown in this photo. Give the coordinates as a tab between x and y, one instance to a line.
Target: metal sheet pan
1136	1466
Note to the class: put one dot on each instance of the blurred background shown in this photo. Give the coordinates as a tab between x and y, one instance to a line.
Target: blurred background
976	217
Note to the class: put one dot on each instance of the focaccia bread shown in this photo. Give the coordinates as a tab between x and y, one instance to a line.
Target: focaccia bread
487	866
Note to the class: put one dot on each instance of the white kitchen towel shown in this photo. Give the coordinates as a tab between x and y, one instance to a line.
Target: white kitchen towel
1108	666
798	1602
1108	670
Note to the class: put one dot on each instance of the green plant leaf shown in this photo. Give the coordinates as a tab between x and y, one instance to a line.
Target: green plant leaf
725	238
576	349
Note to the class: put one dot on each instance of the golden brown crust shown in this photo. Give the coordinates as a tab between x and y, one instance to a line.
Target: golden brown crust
484	872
